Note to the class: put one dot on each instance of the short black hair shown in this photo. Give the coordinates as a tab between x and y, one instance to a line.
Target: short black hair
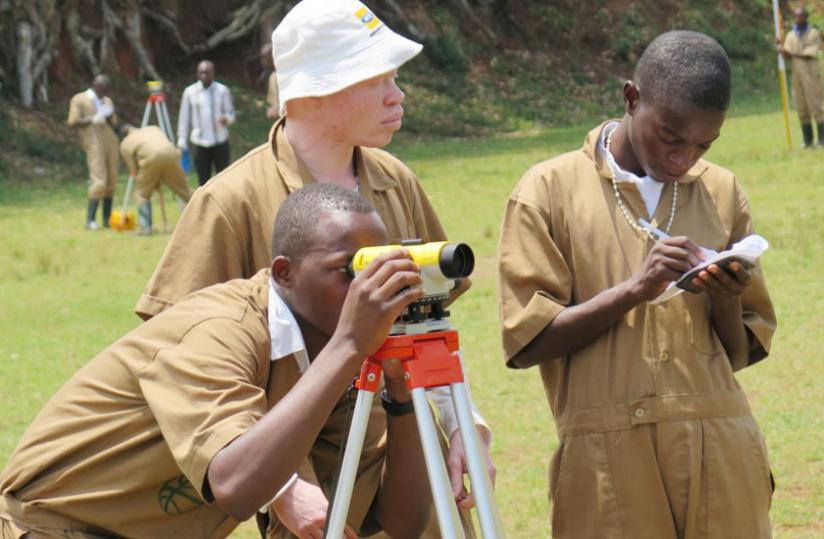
297	218
685	66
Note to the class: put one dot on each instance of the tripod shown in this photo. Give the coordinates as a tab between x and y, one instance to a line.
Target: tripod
157	102
428	360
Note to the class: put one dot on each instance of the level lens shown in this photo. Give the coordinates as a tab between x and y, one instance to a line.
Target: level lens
457	260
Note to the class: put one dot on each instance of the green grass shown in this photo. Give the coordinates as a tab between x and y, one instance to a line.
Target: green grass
67	293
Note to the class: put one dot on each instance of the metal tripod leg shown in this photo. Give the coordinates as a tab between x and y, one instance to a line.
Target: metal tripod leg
126	196
488	514
146	113
163	119
349	467
448	519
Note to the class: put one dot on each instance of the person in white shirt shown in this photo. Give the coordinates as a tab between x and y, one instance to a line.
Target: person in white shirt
206	112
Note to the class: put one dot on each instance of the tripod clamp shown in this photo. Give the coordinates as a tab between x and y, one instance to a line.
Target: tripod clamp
428	360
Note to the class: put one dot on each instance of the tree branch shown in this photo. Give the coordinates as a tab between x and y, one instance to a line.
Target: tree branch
83	49
243	20
132	32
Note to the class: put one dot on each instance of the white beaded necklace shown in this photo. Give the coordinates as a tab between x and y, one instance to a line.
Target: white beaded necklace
623	208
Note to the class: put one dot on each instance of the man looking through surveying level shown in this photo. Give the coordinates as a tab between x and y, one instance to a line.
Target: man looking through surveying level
656	436
197	418
334	122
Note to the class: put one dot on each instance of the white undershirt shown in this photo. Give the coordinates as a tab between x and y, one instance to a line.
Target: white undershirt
649	188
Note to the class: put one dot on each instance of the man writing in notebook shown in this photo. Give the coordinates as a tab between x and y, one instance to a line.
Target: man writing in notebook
656	436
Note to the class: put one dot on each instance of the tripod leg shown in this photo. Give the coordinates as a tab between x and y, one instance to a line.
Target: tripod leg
349	467
169	130
126	196
163	120
146	113
488	515
445	507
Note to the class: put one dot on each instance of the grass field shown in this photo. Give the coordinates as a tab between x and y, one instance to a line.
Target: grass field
65	294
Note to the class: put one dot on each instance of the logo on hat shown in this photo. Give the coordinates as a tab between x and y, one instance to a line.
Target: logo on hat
367	18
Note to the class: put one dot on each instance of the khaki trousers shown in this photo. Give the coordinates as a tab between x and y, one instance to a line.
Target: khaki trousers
807	90
101	158
163	168
659	476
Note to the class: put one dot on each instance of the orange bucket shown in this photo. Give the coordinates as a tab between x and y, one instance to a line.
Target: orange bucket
121	221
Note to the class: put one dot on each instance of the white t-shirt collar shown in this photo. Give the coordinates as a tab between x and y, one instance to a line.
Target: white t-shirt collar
93	96
284	331
649	188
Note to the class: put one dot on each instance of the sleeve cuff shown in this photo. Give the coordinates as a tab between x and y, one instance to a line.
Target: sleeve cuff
149	306
203	453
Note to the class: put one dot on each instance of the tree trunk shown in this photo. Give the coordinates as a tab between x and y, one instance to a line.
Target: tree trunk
24	54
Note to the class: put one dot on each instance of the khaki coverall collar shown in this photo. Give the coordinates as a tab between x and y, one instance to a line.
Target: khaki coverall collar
295	174
590	150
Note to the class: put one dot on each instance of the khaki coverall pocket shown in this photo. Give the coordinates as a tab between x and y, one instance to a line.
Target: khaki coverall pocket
584	503
703	337
760	448
739	492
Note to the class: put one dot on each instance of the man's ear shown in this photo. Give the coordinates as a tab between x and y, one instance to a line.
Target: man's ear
283	271
632	95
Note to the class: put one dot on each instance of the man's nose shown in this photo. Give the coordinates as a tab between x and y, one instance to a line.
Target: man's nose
395	96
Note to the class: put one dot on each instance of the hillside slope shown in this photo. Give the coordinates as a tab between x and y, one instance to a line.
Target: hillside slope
489	66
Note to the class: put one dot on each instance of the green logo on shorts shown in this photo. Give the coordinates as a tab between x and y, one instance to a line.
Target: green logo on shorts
177	495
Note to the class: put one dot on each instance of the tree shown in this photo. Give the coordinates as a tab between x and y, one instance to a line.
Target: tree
30	31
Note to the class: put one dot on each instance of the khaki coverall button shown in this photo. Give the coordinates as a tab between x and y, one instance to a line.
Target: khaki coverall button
664	356
640	412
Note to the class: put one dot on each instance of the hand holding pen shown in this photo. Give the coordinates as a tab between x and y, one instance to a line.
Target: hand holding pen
661	235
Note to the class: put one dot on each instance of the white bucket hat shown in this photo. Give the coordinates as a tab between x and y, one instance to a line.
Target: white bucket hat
324	46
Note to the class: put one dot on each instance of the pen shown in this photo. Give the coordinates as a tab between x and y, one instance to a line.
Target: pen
661	235
646	225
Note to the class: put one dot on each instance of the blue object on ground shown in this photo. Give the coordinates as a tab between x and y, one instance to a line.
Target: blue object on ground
186	161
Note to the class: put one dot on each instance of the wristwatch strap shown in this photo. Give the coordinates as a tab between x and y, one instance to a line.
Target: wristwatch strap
395	408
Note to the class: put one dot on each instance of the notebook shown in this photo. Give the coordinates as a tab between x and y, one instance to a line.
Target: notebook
746	252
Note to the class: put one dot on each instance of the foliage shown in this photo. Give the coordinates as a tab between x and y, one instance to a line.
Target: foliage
565	61
29	141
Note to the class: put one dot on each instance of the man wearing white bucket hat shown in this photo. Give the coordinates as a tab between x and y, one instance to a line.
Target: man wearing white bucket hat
336	65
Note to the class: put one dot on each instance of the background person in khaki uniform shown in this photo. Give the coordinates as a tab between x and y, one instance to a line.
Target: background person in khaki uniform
92	113
267	63
329	133
803	46
152	159
194	420
656	436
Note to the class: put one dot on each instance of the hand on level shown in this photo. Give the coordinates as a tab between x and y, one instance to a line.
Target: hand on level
456	462
302	509
376	297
